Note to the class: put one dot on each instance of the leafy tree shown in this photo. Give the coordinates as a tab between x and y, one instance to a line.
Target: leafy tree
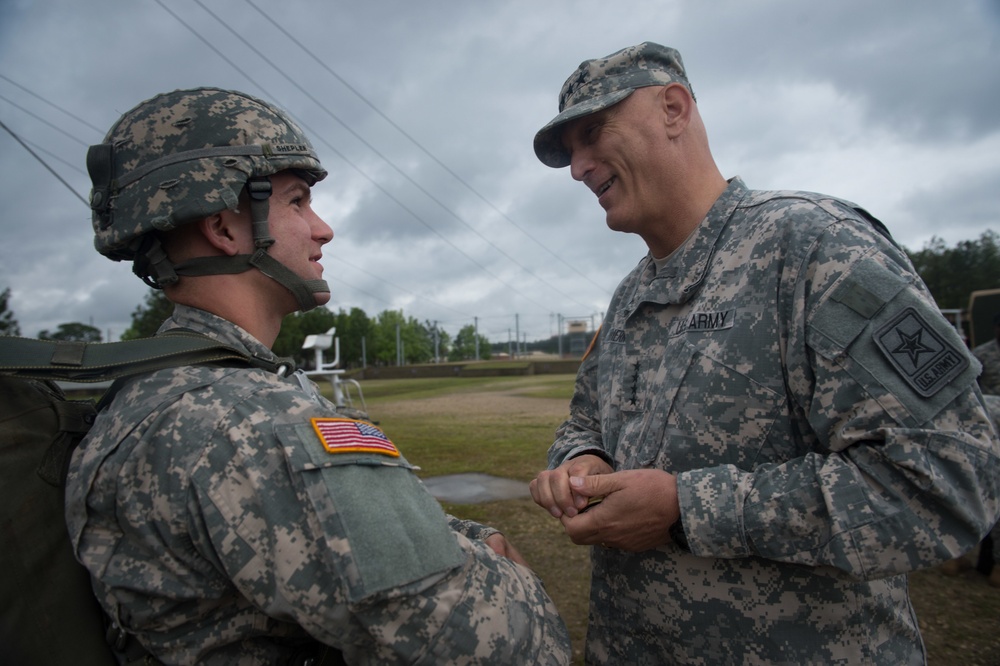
419	339
352	328
72	332
952	274
147	318
295	327
8	325
416	339
465	345
383	343
439	341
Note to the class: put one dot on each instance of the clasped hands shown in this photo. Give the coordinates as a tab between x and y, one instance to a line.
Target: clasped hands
637	509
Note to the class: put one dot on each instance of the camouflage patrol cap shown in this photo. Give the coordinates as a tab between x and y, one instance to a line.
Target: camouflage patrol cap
603	82
181	156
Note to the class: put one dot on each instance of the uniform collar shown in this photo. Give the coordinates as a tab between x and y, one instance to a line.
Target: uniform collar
223	330
683	271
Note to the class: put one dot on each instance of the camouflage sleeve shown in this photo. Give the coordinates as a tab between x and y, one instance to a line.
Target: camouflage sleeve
351	547
471	529
988	355
903	470
581	432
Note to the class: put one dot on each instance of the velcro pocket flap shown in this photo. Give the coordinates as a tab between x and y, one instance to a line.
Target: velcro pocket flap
384	530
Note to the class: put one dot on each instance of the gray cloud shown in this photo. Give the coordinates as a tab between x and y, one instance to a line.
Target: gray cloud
890	104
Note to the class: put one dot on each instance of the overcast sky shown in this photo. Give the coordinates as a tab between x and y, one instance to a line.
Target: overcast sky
424	114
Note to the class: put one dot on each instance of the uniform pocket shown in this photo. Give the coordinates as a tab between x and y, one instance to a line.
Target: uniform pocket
383	529
719	415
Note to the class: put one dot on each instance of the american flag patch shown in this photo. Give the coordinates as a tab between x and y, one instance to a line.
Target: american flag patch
352	436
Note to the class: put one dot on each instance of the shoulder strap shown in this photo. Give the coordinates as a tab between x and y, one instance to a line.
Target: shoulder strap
875	222
97	362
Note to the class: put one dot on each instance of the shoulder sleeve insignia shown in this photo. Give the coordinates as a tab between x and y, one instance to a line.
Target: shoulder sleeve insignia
926	360
339	435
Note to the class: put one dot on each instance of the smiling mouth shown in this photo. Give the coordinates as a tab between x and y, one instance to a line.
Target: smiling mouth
604	188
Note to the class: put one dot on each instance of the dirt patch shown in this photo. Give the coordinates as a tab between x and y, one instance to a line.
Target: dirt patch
503	404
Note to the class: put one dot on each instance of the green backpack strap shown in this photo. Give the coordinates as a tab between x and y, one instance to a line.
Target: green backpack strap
98	362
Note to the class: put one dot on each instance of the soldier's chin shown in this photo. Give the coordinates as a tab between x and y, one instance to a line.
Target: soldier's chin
321	297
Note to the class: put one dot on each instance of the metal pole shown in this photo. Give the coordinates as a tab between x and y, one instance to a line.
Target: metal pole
559	333
437	356
517	334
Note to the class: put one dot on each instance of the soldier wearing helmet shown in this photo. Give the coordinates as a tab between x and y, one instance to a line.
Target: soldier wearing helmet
181	158
231	514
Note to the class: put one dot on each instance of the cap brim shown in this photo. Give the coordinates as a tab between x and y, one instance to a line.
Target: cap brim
548	141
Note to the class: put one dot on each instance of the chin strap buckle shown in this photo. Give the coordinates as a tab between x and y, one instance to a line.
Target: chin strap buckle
259	190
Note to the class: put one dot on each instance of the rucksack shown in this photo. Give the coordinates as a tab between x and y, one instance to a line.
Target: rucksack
48	612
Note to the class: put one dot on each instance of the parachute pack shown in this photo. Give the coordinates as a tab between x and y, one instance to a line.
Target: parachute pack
48	612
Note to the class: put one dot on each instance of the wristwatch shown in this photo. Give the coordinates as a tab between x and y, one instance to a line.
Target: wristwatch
678	536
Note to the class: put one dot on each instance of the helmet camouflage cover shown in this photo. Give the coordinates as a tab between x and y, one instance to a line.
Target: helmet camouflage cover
184	155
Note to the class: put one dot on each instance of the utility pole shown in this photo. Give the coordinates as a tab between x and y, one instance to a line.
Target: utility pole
559	333
476	320
437	357
399	348
517	332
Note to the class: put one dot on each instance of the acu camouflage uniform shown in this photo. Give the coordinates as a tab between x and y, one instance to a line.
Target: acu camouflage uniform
219	529
822	418
988	354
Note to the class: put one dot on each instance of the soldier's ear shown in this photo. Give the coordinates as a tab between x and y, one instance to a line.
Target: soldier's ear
226	231
676	103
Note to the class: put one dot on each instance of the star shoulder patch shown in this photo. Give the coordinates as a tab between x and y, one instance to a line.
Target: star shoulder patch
340	435
924	359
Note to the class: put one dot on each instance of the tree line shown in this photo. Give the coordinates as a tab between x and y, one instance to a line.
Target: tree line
387	339
951	274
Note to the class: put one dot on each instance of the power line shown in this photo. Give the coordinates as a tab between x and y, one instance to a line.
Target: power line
54	106
416	143
403	289
44	164
327	143
341	280
68	164
35	154
390	163
42	120
340	154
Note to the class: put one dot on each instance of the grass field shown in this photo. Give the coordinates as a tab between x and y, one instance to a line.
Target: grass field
503	426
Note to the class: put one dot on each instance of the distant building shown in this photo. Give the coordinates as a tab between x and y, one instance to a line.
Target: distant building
577	336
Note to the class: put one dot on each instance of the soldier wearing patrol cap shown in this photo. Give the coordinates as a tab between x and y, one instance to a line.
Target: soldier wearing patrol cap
778	419
230	514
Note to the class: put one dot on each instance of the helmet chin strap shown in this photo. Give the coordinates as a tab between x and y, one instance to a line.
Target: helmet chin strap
259	190
151	263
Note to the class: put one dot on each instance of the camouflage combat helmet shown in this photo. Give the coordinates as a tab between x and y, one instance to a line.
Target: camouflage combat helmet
185	155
